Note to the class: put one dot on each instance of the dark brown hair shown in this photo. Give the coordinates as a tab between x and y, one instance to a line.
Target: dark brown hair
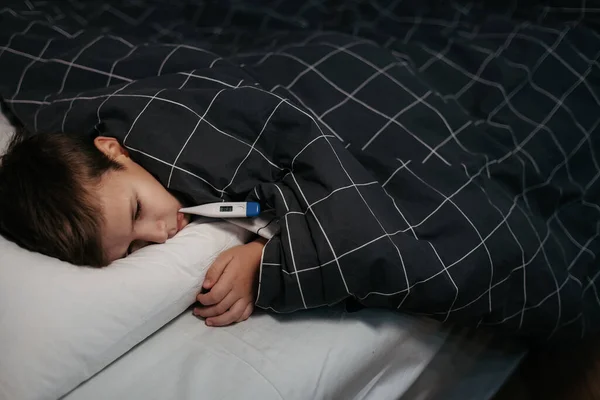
47	204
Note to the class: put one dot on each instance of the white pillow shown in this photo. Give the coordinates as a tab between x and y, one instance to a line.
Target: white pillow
61	324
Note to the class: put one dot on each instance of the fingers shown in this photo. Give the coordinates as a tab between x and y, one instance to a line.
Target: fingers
217	309
216	270
218	292
246	314
231	316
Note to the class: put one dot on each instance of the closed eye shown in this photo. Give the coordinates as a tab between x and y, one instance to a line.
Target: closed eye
136	215
138	210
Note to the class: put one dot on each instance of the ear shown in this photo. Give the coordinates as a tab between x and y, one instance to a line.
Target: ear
111	147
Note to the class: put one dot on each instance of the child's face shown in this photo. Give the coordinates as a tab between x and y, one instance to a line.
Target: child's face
137	209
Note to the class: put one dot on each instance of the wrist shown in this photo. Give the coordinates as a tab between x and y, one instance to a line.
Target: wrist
256	249
260	240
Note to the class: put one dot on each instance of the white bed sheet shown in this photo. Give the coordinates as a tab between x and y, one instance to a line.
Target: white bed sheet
320	354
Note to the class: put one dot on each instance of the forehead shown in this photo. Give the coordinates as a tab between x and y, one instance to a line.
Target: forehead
115	197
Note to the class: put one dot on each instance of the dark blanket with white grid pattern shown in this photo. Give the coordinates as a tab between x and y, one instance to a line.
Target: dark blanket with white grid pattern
437	158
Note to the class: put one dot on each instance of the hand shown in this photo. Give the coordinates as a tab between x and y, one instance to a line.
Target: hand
232	280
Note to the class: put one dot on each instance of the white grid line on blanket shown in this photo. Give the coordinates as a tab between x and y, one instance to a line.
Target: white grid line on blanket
418	99
546	93
446	198
202	118
10	39
540	125
114	64
514	205
252	147
523	261
559	103
151	98
289	236
554	55
72	62
345	93
67	63
29	66
483	81
548	231
362	198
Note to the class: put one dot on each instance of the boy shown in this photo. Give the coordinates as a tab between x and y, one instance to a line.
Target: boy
85	201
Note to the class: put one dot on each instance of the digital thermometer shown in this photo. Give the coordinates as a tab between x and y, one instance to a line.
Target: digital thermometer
225	210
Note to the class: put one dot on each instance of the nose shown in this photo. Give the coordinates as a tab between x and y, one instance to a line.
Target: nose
155	232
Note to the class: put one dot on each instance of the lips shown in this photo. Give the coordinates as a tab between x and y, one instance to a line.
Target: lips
181	221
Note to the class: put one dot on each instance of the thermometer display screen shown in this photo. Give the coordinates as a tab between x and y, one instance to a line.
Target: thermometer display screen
226	208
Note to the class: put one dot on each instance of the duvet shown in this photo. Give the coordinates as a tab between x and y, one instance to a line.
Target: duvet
435	158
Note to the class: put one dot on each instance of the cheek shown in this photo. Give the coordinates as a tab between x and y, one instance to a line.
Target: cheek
165	201
159	202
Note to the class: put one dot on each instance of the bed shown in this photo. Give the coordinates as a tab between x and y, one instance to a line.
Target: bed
418	156
335	352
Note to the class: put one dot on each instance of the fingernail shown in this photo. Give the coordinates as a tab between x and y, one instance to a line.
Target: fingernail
207	282
209	323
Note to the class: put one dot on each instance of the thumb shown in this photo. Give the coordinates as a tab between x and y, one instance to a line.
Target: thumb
216	270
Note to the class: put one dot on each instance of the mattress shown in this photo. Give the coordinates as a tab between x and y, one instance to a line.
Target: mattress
320	354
